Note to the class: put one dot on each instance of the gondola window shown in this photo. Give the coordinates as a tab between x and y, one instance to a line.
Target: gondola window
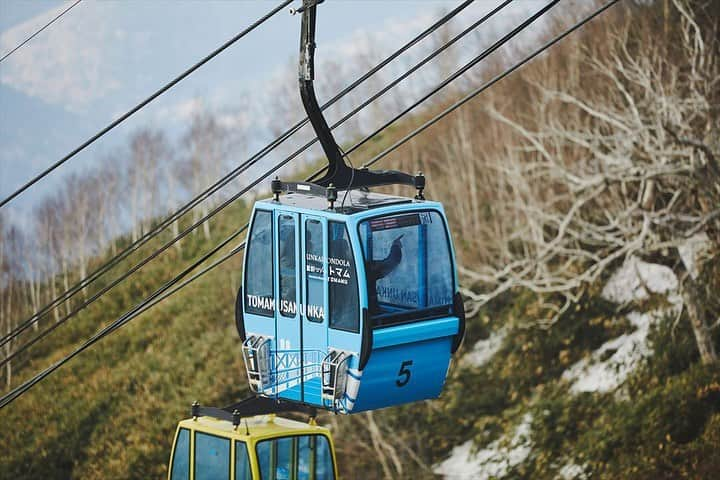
181	457
259	298
314	270
288	266
408	264
302	457
212	457
344	301
242	462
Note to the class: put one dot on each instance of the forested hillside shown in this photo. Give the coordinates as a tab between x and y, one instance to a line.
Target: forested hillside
584	199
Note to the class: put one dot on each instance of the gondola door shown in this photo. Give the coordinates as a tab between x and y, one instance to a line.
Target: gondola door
288	354
314	305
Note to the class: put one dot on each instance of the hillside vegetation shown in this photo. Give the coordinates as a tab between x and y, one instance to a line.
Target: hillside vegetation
112	411
584	199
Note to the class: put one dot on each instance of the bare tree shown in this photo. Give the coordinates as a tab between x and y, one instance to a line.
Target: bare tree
624	166
105	198
148	150
11	247
36	270
81	225
171	173
46	228
62	208
5	326
206	143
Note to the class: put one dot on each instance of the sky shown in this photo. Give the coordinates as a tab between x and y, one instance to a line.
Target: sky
104	56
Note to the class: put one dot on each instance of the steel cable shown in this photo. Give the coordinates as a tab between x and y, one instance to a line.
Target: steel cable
119	322
486	85
415	132
39	31
222	206
459	72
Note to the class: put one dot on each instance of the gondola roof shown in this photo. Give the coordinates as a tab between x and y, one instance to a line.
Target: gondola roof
357	201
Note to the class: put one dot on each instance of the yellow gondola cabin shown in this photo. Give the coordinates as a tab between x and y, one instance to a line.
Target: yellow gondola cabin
263	447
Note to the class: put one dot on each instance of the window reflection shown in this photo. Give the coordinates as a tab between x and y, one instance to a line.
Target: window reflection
181	457
407	263
314	271
242	462
342	278
302	457
259	277
212	457
288	266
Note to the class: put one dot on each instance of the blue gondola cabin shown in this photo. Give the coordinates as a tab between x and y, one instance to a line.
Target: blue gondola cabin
352	308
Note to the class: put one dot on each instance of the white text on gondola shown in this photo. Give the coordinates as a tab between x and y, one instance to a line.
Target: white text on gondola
265	303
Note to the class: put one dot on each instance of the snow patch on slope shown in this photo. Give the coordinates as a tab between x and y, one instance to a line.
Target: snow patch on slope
571	471
485	349
637	279
692	250
610	365
495	460
624	354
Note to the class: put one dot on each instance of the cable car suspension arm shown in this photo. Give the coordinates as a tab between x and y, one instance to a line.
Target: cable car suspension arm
339	175
250	407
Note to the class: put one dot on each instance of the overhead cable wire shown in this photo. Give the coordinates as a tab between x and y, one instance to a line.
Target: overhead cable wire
157	295
202	272
402	141
55	325
149	99
225	180
419	130
237	171
187	282
39	31
223	205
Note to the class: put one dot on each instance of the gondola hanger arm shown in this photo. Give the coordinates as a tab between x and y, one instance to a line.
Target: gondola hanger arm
305	5
339	175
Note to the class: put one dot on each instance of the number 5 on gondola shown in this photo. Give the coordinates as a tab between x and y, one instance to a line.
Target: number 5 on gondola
404	373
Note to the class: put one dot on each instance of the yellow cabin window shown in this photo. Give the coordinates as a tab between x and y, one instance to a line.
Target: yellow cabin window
212	457
301	457
180	469
242	462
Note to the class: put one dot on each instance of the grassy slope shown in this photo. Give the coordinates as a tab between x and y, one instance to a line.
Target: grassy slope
663	424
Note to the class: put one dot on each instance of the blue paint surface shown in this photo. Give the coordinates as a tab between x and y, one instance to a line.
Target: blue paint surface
382	378
414	332
408	362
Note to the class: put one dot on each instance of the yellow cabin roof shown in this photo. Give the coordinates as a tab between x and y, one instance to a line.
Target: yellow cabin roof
261	427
